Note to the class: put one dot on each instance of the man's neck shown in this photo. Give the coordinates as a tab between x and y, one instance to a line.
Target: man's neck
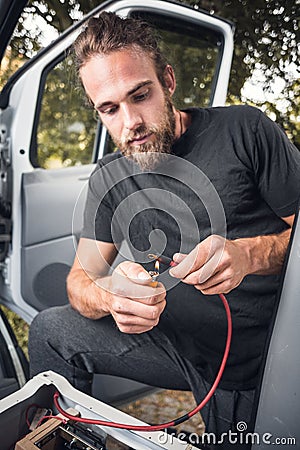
183	121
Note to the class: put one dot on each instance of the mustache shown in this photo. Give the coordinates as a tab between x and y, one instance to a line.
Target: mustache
138	133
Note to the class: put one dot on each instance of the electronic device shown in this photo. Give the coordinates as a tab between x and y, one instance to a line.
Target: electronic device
20	411
55	435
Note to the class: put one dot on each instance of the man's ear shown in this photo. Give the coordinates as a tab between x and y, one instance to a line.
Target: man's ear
170	80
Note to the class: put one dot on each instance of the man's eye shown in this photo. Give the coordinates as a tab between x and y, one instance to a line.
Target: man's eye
109	111
141	97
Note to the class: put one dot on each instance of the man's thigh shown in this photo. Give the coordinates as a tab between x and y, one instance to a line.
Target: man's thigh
62	335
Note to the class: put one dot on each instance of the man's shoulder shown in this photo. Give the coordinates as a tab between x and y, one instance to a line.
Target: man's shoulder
106	167
110	157
230	115
236	111
107	161
238	118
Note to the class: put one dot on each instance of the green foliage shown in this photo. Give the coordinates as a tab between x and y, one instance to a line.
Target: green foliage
19	326
267	44
195	60
66	130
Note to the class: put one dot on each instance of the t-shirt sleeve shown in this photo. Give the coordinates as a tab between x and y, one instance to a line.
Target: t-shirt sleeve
276	166
98	211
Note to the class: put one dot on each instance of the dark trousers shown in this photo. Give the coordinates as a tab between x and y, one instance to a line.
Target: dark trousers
62	340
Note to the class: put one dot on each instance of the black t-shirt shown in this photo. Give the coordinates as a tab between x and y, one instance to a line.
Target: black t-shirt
232	173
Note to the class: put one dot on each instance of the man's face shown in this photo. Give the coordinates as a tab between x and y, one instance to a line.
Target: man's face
132	104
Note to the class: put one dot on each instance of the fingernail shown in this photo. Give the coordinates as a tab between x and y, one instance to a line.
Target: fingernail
171	273
176	256
143	276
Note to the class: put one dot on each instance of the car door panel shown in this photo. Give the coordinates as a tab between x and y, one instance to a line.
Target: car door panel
49	199
48	265
278	410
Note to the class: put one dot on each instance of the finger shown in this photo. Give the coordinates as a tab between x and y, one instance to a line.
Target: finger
134	329
198	261
206	261
217	278
219	285
186	265
206	273
196	278
137	292
135	272
126	306
178	257
219	288
158	296
197	257
121	284
221	282
129	322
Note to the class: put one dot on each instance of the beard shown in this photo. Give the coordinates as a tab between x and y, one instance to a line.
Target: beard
150	154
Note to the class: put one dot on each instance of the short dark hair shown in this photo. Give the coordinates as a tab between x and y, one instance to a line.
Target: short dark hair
109	32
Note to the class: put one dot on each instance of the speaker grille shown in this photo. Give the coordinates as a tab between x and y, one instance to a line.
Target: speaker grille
49	285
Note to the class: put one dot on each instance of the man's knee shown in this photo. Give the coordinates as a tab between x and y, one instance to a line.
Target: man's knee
40	325
46	324
48	338
44	320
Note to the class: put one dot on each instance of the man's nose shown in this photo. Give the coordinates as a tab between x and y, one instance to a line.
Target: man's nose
131	117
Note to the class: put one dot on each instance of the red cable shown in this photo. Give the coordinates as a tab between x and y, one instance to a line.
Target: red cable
173	422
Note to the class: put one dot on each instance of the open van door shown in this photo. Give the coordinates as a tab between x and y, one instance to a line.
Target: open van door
50	141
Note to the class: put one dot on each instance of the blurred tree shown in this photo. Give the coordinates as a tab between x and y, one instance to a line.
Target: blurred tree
66	127
265	69
267	48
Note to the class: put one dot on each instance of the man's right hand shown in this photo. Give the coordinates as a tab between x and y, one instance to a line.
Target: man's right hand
126	294
135	305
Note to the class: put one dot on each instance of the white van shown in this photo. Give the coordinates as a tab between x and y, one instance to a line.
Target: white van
38	228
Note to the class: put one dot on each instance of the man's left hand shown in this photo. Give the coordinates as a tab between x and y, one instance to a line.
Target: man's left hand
214	266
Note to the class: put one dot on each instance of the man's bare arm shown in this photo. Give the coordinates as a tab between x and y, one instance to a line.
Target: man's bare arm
93	260
218	265
266	254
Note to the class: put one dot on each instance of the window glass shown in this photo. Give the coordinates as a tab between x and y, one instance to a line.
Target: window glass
194	69
66	126
194	53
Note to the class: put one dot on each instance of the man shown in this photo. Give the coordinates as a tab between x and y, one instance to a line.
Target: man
165	191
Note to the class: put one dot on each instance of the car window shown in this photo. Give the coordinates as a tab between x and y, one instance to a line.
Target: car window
66	130
194	53
66	127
